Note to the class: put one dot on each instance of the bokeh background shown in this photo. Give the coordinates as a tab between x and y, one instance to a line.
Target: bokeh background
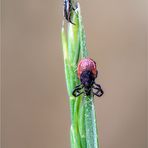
35	109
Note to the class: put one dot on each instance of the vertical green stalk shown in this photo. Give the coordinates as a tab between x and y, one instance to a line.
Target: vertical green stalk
83	130
90	123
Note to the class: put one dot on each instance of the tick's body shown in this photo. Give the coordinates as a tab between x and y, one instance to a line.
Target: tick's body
68	8
87	73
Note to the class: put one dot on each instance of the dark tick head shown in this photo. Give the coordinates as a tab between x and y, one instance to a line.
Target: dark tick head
87	78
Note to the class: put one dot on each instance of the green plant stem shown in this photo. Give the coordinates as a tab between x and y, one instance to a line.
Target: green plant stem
90	122
83	130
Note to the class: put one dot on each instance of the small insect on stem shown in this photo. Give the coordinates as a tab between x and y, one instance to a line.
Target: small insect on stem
68	8
87	73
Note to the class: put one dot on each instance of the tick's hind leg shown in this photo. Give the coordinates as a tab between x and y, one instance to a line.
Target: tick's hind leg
77	91
99	92
69	19
73	8
70	15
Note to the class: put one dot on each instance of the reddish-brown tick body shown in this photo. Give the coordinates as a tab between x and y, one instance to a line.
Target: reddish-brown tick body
87	73
87	64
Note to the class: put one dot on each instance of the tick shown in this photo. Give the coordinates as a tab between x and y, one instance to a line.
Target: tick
87	73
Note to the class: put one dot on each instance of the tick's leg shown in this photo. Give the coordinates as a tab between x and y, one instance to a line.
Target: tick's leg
71	6
71	20
97	85
78	86
99	92
70	15
77	91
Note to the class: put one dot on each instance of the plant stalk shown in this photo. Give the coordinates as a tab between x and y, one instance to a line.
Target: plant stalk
83	130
